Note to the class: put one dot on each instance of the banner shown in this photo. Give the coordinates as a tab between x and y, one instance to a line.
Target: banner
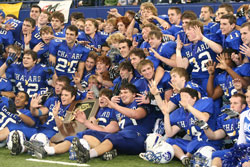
61	6
11	8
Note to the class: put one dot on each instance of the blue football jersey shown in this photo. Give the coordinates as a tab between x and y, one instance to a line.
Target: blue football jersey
50	122
19	37
43	54
6	37
67	59
185	120
226	81
97	41
105	116
143	126
6	116
5	85
176	97
231	126
142	84
198	55
233	40
29	81
166	50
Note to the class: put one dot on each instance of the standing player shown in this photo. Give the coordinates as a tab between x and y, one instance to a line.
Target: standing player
68	56
35	12
195	55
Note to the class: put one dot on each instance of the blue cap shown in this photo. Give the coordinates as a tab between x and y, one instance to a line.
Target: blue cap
2	13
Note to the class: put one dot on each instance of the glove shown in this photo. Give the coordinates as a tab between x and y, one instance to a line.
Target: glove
11	58
230	114
50	69
137	17
12	107
202	124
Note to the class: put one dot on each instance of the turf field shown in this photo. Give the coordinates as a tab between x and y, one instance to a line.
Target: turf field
6	160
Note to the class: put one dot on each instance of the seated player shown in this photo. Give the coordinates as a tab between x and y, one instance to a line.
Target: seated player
134	121
26	123
103	122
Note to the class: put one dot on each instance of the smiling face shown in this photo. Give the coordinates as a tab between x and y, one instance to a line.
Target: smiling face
66	97
127	96
154	41
124	49
147	71
135	60
101	67
70	37
34	13
89	64
245	35
121	27
20	100
174	18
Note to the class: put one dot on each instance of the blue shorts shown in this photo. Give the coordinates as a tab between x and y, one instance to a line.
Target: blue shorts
127	141
28	131
179	142
99	135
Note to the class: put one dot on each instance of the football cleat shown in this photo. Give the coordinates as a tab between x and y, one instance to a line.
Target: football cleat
107	156
37	150
82	154
16	147
185	161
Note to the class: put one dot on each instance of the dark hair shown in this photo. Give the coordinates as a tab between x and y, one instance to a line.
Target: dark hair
11	15
70	89
126	65
130	87
188	15
59	16
32	21
229	8
64	79
138	52
36	6
106	92
73	28
177	10
32	53
77	15
230	17
192	92
128	41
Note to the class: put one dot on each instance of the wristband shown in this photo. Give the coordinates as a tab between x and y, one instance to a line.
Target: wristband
40	112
